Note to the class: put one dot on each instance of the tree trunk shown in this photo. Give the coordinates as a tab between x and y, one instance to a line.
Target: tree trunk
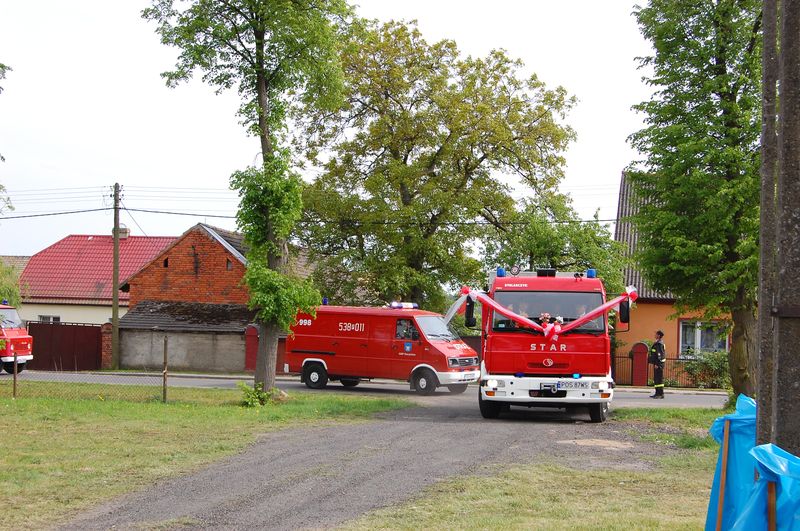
267	354
744	346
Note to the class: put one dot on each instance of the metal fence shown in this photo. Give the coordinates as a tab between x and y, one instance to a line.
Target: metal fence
153	384
675	374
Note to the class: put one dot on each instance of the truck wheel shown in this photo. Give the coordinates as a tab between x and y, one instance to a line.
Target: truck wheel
349	382
489	409
315	376
598	412
425	382
457	389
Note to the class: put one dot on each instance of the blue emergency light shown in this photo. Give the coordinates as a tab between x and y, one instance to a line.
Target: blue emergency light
324	301
501	272
404	305
591	273
576	376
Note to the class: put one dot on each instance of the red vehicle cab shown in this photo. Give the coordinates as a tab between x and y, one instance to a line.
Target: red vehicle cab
14	338
350	344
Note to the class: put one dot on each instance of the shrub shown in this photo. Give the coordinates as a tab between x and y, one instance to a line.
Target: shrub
708	368
256	396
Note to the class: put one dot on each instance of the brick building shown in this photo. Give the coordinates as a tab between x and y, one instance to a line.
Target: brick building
204	265
194	293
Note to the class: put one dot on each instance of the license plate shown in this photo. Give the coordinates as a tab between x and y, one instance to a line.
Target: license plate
572	384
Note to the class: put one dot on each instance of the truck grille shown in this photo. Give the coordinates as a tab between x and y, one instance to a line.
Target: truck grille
467	362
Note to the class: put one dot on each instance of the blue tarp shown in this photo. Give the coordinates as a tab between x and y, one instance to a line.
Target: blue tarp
779	466
741	464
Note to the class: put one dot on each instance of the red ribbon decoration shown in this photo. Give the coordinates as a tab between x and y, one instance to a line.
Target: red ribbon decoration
550	330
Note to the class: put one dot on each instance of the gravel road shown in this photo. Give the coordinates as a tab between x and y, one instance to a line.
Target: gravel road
321	477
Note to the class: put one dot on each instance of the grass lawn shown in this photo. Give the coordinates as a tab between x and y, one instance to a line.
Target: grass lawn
548	495
61	455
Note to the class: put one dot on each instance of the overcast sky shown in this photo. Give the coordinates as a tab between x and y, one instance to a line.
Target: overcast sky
84	107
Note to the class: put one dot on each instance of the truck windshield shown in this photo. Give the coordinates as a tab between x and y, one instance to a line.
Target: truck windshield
567	305
434	327
10	319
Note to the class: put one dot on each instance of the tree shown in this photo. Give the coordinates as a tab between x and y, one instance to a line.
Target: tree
277	53
416	156
548	233
9	284
700	174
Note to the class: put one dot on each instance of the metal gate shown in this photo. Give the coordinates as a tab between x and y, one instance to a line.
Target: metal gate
65	346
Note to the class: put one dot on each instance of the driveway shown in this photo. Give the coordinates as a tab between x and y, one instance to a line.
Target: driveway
321	477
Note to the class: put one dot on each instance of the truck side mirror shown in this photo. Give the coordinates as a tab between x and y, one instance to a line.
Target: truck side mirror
625	312
469	314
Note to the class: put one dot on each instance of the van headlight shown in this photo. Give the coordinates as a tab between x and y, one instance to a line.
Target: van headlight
452	362
600	385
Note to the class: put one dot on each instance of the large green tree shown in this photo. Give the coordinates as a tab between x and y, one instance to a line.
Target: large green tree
278	54
699	178
546	232
426	147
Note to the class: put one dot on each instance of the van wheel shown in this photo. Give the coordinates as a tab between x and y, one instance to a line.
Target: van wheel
489	409
457	389
425	382
598	412
349	382
9	367
315	376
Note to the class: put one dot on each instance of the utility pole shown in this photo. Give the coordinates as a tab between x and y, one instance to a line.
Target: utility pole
768	229
115	286
786	370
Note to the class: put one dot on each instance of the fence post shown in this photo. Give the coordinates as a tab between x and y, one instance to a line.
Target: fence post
772	521
723	471
14	392
164	373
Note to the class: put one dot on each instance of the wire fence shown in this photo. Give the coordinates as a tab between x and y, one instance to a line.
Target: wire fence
145	385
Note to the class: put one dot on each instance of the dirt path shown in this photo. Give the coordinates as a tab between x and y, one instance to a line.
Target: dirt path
321	477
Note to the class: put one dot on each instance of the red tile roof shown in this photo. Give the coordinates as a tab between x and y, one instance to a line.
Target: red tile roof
79	268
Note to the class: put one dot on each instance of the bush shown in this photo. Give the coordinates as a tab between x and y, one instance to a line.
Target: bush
256	396
708	369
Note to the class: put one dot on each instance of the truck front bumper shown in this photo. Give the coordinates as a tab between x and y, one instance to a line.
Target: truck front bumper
546	391
20	359
454	377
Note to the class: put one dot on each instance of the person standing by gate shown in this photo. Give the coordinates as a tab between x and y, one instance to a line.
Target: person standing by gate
658	356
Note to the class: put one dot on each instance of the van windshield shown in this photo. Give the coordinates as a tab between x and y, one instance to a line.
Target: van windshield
567	305
434	327
9	318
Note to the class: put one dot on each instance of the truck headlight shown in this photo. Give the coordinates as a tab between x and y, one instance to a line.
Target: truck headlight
491	383
452	362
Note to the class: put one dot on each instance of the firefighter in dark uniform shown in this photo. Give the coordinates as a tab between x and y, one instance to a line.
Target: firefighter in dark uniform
658	356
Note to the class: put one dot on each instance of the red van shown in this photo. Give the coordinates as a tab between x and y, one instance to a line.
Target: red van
14	339
350	344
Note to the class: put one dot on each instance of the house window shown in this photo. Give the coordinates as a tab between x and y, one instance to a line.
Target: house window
50	318
706	336
166	262
228	264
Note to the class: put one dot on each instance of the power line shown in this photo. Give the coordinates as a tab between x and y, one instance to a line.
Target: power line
133	218
56	213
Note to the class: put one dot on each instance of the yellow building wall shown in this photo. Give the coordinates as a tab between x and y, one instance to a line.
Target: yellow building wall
646	318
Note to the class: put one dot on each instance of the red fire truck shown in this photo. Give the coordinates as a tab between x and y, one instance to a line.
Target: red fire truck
545	341
350	344
14	339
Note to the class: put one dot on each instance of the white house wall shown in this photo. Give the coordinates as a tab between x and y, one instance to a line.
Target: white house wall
69	313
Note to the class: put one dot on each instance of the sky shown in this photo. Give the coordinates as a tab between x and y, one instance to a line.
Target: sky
85	107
